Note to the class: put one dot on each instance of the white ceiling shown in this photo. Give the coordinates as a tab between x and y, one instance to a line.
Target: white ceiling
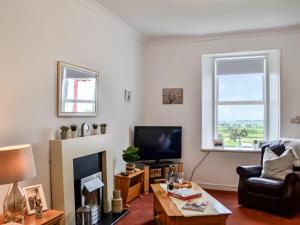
164	18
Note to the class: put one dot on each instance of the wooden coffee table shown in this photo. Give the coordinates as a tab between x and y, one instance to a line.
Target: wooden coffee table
167	213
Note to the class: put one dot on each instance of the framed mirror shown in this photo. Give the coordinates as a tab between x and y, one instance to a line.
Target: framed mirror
77	90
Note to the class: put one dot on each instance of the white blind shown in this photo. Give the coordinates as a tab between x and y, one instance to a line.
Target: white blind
76	74
240	66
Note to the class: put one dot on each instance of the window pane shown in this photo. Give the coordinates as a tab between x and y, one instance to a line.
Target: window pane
81	89
79	107
245	121
245	87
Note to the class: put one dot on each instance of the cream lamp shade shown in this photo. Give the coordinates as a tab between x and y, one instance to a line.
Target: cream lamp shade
16	164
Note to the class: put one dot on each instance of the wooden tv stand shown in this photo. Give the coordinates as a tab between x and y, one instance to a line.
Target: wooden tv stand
155	172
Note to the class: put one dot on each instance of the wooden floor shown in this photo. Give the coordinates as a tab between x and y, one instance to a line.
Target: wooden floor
141	212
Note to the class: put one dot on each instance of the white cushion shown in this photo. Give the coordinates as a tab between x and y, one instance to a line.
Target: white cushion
277	166
295	144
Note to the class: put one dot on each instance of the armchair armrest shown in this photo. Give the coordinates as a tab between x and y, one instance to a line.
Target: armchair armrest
290	183
292	178
249	171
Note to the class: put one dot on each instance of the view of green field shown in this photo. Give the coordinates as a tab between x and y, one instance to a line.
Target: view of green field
255	131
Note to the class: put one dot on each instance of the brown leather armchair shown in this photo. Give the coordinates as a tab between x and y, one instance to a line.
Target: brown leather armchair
276	196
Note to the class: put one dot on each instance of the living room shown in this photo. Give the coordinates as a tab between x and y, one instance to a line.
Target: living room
142	47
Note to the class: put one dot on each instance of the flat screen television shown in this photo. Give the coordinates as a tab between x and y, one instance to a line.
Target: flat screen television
158	142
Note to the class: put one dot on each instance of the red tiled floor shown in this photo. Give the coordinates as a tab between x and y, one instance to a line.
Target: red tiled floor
141	212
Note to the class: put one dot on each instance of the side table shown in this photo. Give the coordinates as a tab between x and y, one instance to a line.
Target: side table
130	185
50	217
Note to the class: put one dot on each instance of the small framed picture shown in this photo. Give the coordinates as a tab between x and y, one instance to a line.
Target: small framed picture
172	95
127	96
34	195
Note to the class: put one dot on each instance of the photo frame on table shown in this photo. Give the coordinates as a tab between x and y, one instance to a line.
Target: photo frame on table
31	194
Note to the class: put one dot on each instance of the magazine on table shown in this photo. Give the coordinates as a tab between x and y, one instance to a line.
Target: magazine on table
196	205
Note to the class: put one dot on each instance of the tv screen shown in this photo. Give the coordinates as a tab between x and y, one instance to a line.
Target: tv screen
157	143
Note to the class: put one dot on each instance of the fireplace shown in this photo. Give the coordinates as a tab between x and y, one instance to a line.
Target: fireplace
63	156
88	186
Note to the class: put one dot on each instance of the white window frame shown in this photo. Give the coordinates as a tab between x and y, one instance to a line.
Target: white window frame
209	107
264	101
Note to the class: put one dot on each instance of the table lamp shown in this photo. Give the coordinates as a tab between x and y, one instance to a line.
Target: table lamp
16	164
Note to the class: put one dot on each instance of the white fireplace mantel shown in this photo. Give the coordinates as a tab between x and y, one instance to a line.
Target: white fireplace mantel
62	153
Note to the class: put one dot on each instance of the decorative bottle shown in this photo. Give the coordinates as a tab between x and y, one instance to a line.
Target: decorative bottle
171	176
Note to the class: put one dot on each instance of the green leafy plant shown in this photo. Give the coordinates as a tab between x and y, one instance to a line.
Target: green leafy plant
130	155
237	132
73	127
95	125
103	125
64	128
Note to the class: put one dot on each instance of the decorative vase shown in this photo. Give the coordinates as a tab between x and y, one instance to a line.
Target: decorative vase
130	167
103	130
117	203
94	131
63	135
239	142
74	134
38	211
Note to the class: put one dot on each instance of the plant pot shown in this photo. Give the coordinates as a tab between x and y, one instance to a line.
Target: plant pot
63	135
103	130
94	131
130	167
239	142
74	134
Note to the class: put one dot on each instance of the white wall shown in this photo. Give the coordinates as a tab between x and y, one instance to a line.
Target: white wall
177	64
34	35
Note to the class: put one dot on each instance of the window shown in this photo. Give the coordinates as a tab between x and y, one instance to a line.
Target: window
240	100
239	90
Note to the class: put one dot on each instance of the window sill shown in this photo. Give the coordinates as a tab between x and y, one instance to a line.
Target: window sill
231	149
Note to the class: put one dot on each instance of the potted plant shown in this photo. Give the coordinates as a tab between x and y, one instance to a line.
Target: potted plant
64	132
103	128
95	129
73	130
237	134
130	155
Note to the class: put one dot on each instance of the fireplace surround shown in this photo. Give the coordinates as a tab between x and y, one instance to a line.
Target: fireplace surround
62	155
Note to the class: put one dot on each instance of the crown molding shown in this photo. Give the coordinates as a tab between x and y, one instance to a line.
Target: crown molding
98	9
225	35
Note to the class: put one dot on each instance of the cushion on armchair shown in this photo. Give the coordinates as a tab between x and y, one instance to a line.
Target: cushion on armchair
275	166
295	144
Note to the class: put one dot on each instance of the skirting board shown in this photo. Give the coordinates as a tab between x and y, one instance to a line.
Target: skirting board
219	187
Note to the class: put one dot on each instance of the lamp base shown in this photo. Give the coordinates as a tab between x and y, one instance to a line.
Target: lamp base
14	204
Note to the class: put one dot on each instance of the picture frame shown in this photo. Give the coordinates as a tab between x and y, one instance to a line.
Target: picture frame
172	96
77	91
127	96
31	193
